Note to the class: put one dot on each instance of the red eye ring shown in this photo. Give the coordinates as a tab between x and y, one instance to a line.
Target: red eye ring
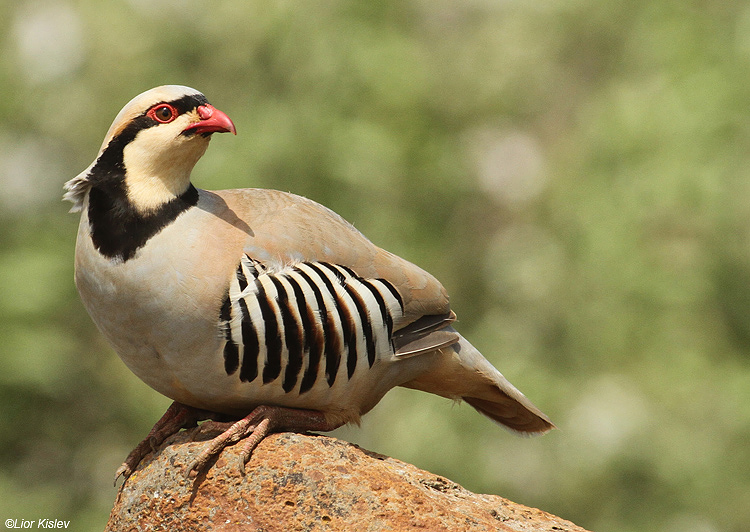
163	113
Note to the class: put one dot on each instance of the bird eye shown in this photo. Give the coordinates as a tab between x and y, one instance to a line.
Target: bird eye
163	113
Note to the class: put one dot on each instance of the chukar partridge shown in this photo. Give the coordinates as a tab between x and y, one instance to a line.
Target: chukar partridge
255	309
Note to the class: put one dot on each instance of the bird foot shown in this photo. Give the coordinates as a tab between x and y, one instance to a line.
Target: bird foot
261	422
177	416
211	425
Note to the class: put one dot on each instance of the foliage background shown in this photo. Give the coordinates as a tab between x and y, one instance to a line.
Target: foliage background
575	172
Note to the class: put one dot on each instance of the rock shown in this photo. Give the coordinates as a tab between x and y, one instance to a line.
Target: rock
298	482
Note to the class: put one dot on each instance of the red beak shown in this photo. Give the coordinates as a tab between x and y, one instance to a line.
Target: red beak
212	121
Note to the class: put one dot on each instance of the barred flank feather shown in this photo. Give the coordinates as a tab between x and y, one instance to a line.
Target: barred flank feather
285	324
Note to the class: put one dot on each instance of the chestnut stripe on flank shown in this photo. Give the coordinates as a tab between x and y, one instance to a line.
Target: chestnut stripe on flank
321	345
333	352
349	330
347	270
364	318
293	335
348	323
384	311
251	347
274	344
241	279
313	336
393	292
307	324
231	351
336	271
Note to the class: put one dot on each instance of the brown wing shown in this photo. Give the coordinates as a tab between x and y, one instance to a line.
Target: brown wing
281	229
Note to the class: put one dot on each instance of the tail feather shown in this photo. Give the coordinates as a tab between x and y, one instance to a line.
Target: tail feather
461	372
507	412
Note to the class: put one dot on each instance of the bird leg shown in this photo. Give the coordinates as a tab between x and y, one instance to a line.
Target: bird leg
261	422
176	417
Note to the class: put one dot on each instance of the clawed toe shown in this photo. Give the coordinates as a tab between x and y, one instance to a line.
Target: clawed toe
232	434
176	417
253	428
124	471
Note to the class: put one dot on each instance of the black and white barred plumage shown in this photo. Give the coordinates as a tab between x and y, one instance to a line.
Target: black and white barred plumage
308	323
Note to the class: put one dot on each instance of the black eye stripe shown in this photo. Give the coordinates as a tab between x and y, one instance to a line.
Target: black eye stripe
109	166
152	116
184	104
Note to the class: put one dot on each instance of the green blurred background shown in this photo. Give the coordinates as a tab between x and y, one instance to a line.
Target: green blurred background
575	172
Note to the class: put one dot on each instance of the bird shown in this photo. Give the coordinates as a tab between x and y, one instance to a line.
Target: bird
255	311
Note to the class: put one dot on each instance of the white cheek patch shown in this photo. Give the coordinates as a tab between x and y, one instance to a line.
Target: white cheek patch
158	163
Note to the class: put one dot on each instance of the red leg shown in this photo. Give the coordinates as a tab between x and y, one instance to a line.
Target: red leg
261	422
176	417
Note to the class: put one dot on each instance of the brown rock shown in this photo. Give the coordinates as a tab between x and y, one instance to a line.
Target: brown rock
299	482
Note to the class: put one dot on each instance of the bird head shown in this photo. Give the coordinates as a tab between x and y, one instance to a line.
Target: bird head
151	147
